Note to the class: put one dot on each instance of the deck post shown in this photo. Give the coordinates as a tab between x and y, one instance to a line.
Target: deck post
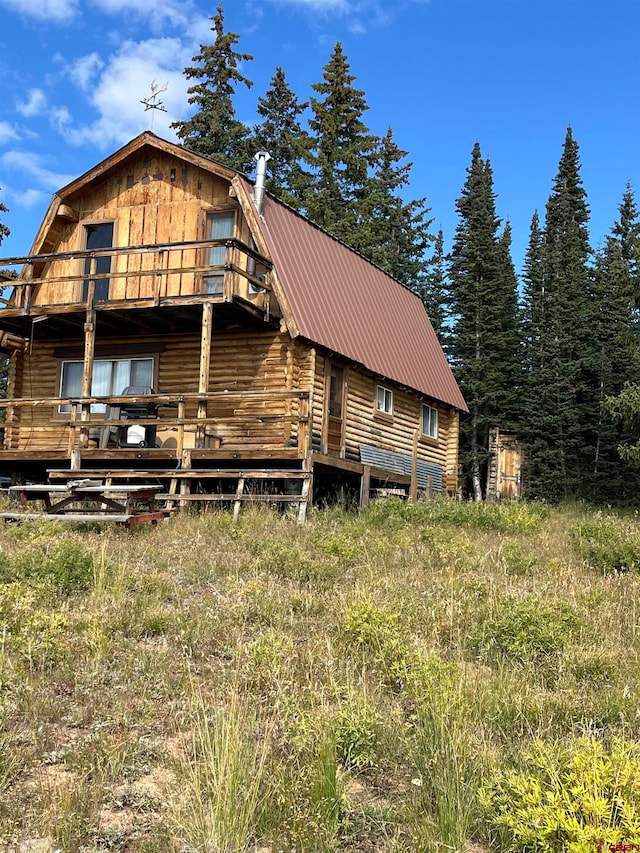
89	349
205	363
365	485
413	488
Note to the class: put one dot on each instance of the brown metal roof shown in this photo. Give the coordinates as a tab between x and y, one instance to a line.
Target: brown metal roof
346	304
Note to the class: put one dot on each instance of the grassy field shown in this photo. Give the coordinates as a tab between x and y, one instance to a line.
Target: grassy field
444	677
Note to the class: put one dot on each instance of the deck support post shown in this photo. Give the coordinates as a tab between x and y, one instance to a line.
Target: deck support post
89	349
413	488
205	363
365	485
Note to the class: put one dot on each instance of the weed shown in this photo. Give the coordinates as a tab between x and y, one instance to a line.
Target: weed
357	730
608	544
65	565
527	630
566	797
223	777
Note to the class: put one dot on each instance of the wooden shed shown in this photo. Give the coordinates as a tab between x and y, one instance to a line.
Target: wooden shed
172	321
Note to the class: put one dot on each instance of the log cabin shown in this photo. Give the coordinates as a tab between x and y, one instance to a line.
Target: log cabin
174	321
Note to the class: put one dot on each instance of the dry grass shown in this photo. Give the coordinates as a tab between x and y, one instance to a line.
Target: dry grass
345	686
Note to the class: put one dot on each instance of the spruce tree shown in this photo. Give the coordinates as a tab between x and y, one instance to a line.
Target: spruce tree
484	342
392	233
214	130
433	289
341	151
281	134
618	282
563	411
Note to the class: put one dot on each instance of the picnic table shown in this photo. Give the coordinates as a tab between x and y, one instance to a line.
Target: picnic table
124	504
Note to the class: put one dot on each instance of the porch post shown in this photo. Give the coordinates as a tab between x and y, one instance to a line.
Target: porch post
205	363
89	347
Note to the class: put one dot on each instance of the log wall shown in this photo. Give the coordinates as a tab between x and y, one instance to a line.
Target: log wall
240	361
364	425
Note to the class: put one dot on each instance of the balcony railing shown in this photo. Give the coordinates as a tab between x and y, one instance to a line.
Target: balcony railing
211	421
157	274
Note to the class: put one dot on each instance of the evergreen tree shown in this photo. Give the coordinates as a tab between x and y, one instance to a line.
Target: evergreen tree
563	407
391	232
618	282
214	130
341	151
484	342
433	289
281	134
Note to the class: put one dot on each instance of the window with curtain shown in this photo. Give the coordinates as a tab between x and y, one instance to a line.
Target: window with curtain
110	377
220	226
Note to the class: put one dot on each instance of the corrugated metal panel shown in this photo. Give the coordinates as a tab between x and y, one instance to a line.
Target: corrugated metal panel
400	464
346	304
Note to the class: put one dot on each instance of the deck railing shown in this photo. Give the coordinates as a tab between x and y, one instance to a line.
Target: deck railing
154	274
213	420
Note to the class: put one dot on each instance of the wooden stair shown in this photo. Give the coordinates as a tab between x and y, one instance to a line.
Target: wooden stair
249	487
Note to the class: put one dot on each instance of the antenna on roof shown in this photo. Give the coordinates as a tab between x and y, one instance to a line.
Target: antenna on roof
153	102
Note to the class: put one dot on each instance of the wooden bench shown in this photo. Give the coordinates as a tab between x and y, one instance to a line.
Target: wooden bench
126	520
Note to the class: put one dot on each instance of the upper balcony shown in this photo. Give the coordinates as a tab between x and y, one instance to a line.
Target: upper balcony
63	287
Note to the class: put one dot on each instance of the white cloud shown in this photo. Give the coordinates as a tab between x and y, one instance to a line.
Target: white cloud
7	132
28	199
34	104
124	81
32	164
84	69
174	12
59	11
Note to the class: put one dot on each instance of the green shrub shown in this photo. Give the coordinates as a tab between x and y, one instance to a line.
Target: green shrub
566	799
65	565
527	630
515	517
608	544
357	734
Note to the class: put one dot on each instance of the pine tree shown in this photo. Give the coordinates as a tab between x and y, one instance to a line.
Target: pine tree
484	344
281	134
563	408
618	282
392	233
214	130
341	151
433	289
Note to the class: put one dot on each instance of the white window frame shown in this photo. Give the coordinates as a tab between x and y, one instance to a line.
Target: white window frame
384	400
429	421
100	408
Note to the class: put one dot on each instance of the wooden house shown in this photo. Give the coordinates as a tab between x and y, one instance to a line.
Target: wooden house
174	321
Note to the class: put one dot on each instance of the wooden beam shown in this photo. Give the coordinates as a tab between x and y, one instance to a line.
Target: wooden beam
205	365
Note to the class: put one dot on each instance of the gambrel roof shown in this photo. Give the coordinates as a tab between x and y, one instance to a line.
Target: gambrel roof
330	295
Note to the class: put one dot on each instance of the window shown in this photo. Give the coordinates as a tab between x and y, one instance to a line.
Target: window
384	400
429	421
110	377
220	226
336	388
99	236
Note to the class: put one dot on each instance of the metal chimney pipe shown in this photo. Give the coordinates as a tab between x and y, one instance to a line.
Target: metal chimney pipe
258	190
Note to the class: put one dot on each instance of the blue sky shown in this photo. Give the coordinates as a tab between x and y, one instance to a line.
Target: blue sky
512	74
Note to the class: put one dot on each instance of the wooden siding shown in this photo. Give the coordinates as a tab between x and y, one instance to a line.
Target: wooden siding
240	361
150	201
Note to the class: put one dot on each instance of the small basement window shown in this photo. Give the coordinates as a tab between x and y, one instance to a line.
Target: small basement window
429	421
384	400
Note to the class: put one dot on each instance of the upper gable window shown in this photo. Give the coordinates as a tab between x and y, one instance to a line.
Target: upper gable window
220	226
429	421
384	400
98	236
